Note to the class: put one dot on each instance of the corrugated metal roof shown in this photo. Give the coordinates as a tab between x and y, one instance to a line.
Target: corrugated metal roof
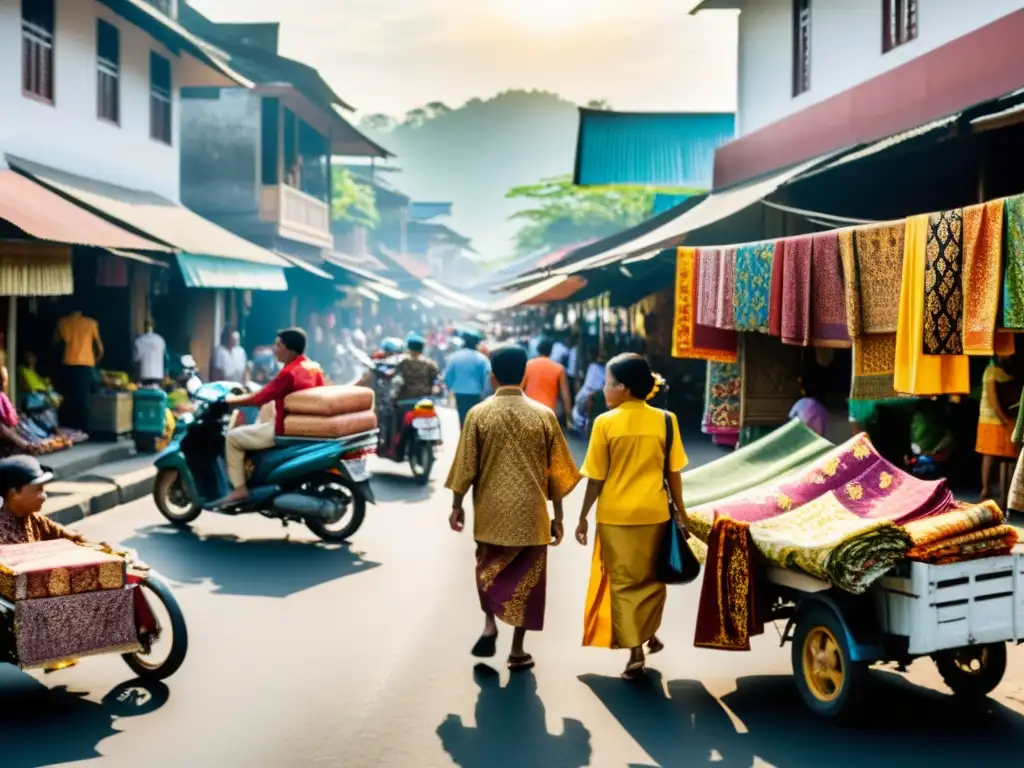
147	212
419	211
554	288
650	149
46	215
305	266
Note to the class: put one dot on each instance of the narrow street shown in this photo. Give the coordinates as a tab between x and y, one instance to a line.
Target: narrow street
303	654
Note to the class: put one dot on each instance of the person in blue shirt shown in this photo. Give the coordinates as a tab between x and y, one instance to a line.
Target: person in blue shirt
468	375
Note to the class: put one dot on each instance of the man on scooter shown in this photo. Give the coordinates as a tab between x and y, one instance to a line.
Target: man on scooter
415	377
298	373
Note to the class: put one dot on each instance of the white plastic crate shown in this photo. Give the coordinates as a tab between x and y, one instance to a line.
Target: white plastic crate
939	607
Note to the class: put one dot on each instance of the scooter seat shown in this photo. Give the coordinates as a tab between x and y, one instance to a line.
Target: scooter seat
268	460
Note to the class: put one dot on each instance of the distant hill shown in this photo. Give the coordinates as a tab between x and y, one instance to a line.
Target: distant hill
474	154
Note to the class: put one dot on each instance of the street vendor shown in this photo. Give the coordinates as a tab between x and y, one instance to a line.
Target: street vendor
21	488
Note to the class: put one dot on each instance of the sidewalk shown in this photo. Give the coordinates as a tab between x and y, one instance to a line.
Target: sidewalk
95	477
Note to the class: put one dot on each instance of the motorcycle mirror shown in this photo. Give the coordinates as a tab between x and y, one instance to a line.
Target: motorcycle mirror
192	385
187	361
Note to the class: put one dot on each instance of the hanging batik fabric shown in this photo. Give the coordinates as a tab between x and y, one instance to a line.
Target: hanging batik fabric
983	251
753	286
689	339
943	284
1013	280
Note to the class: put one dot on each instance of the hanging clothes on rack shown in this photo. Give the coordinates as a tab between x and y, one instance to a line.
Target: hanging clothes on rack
916	372
690	339
983	252
796	291
753	283
828	304
943	284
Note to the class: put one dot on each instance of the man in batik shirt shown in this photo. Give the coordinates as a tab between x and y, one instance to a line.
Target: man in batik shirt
514	457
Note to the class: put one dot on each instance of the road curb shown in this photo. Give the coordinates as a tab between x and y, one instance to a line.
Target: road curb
95	493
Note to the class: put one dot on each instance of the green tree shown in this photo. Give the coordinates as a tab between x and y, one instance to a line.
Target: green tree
559	214
601	104
353	201
379	122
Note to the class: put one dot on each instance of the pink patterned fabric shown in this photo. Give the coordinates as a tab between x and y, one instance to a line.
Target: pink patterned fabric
57	628
727	290
707	287
828	293
775	306
58	567
796	292
8	413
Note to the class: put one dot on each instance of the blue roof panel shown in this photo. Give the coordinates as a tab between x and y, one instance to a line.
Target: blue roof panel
650	149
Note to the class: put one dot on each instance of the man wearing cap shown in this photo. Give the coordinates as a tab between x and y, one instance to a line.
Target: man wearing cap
415	374
298	373
21	488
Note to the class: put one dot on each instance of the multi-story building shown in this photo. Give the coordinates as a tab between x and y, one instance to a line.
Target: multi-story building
817	76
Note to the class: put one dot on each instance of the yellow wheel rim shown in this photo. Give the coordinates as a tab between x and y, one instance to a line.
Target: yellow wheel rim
971	661
823	664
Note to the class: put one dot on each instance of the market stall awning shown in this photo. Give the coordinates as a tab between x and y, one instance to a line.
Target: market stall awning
554	288
460	300
32	269
386	290
367	293
658	149
713	208
200	271
343	262
138	258
46	215
305	266
155	216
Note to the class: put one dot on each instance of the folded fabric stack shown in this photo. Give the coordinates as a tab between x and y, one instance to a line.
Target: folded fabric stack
825	540
329	412
965	533
68	601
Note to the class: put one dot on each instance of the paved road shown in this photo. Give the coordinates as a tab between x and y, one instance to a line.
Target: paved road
306	655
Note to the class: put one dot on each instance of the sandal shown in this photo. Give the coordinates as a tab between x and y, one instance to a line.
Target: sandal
634	671
486	646
654	645
520	662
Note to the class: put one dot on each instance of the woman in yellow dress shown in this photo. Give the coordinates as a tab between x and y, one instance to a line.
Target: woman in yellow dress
995	431
625	467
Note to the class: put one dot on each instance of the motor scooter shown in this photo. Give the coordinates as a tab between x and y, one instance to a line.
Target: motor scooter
323	483
410	429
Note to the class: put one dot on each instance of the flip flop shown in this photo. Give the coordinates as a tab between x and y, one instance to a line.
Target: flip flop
654	645
520	662
486	646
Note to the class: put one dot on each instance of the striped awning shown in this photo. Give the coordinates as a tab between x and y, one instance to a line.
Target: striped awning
27	269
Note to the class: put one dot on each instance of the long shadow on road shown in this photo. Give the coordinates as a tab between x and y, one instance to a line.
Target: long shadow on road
903	725
48	726
511	729
249	567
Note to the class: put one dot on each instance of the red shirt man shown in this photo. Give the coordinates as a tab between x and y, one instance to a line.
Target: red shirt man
299	373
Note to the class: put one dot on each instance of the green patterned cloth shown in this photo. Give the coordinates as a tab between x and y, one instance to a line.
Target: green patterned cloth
752	290
1013	279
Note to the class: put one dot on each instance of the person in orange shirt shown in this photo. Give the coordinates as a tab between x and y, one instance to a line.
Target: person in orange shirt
546	381
83	348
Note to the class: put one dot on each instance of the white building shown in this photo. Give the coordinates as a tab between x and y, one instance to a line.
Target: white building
89	91
824	74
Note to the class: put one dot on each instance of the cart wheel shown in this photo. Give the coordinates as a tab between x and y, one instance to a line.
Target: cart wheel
831	684
973	672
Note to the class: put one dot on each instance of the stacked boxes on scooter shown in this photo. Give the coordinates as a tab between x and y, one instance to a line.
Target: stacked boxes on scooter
330	412
61	600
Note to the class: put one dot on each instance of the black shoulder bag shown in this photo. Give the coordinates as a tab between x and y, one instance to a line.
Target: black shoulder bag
676	562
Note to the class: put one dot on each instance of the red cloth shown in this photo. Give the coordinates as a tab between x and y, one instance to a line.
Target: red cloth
301	373
796	292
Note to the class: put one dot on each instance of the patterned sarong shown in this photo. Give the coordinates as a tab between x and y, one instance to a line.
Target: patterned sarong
983	253
512	583
722	399
796	292
828	305
689	339
727	615
1013	278
753	286
768	380
943	284
878	250
988	542
965	519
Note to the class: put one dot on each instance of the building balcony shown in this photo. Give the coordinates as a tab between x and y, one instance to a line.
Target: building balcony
298	216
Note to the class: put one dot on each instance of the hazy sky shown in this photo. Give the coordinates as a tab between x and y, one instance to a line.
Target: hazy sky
393	55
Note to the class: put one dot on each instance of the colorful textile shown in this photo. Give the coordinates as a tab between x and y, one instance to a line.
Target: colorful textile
918	373
726	313
778	282
1016	498
708	277
753	286
512	583
785	450
988	542
884	492
995	438
943	284
625	600
53	629
851	283
727	615
983	252
879	251
1013	277
54	568
827	541
722	399
796	292
769	385
963	519
874	366
689	339
828	304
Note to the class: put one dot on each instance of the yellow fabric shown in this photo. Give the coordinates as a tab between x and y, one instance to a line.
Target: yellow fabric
627	453
988	413
625	600
33	381
916	372
79	334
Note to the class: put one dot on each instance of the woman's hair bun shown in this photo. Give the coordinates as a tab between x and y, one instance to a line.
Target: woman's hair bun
634	373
